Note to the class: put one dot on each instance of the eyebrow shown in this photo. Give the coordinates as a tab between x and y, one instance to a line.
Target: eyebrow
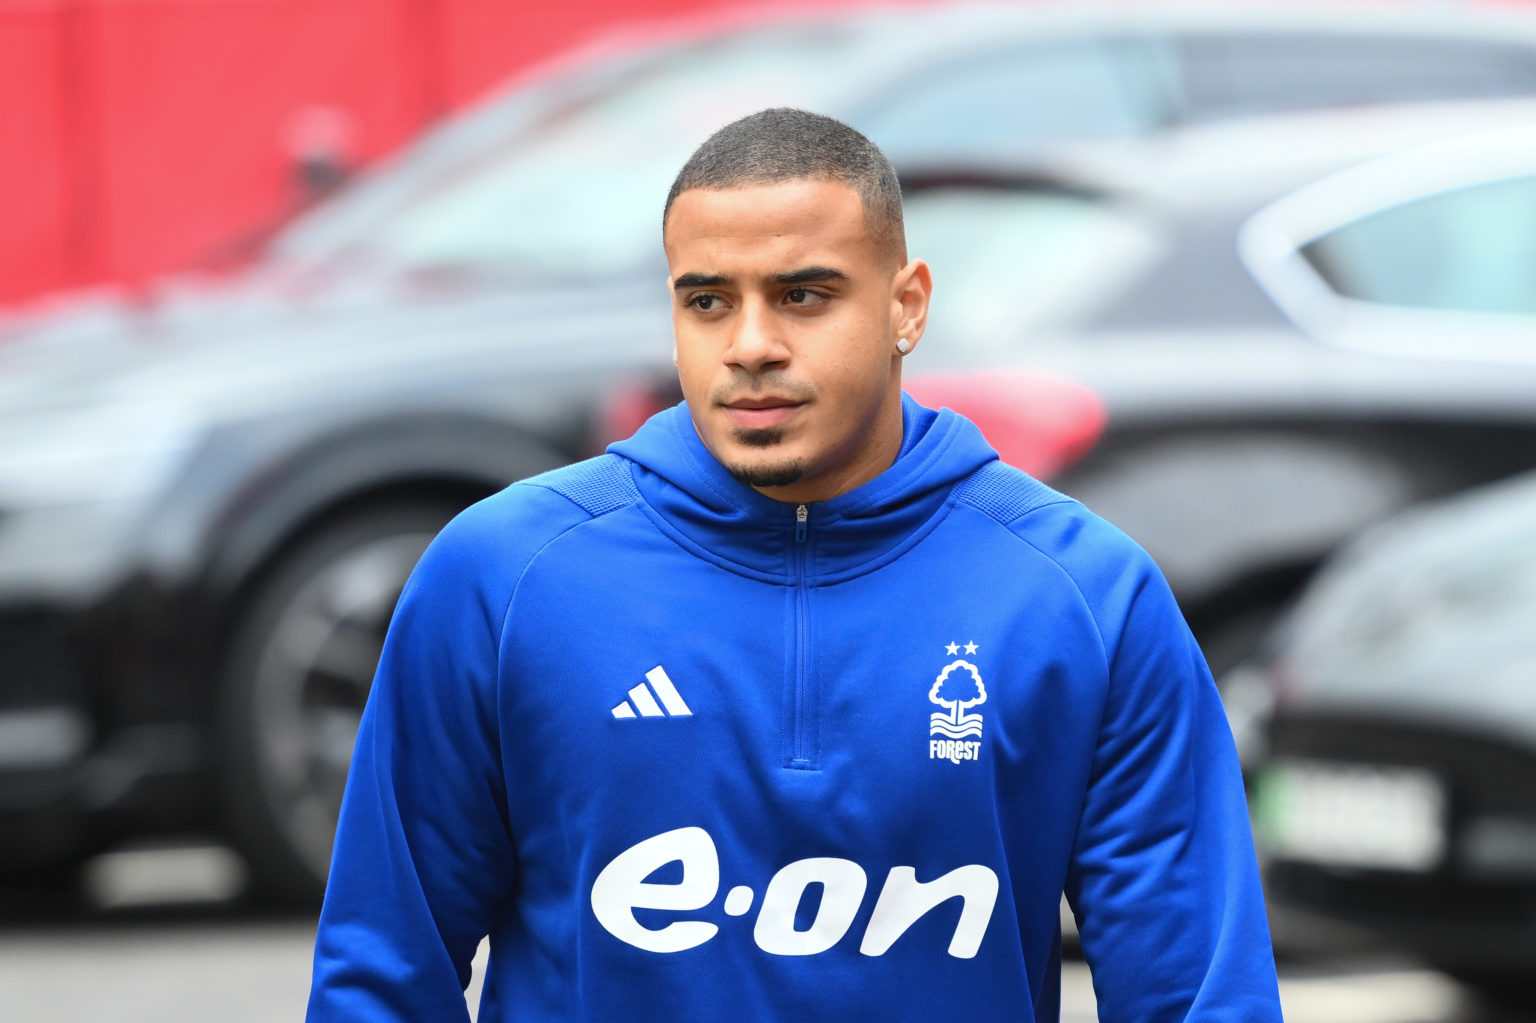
810	275
698	280
806	275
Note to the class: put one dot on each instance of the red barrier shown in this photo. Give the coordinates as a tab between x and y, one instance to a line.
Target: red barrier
36	230
141	136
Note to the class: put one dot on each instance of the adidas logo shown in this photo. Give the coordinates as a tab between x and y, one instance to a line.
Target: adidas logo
640	697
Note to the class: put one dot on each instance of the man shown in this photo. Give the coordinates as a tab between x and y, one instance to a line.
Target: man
798	704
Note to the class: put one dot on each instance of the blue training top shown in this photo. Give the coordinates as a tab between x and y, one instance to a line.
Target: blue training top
688	753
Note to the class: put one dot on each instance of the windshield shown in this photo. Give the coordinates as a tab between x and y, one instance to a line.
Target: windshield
578	193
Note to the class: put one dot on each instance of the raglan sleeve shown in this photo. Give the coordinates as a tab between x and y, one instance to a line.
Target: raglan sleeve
1164	880
423	852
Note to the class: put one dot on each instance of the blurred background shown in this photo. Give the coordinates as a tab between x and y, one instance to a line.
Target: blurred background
286	283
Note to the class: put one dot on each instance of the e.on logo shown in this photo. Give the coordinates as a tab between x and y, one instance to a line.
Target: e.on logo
621	888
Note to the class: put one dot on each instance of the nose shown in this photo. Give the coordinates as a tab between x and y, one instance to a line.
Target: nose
757	342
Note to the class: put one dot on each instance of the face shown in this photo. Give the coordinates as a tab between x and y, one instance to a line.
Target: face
787	315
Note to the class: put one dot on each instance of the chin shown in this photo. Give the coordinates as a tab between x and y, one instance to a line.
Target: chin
778	472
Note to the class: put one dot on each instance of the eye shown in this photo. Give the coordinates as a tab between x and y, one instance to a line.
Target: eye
803	296
704	303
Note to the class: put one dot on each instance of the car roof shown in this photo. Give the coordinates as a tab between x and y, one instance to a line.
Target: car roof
894	48
1246	159
960	20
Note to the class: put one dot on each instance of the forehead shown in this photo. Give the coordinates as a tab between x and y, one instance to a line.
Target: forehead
787	220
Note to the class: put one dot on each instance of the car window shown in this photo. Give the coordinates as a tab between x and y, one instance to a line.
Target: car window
552	202
1470	250
1007	262
1011	102
579	193
1242	75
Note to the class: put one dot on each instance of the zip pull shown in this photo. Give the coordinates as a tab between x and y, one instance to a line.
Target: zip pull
802	515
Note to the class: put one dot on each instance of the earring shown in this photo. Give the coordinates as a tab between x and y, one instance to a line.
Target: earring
903	346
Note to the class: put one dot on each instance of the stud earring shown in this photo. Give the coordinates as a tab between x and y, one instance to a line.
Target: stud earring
903	346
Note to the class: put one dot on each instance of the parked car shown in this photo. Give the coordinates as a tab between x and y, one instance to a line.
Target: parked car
1392	744
208	503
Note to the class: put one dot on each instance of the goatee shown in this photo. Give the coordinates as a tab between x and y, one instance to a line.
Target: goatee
781	475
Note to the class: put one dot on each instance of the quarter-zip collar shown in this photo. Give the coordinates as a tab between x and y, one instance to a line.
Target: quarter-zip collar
695	499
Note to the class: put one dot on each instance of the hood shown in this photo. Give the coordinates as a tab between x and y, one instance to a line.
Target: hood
696	501
231	361
1426	617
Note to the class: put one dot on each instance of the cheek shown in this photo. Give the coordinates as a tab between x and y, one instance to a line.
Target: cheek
694	381
859	379
694	358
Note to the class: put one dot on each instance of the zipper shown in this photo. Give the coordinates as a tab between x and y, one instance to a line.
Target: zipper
800	753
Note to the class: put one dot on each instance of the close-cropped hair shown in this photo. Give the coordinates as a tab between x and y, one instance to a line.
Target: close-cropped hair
784	144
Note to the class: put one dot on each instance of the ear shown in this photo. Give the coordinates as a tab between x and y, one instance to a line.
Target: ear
911	289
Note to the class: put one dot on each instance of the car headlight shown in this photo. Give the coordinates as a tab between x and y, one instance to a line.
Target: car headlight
100	456
73	489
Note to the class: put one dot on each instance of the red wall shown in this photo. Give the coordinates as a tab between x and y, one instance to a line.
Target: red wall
35	232
141	136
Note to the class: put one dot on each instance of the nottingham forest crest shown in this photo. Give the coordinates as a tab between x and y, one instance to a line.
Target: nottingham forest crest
955	732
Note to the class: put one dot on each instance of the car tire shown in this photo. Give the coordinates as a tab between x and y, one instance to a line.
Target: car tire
50	891
301	661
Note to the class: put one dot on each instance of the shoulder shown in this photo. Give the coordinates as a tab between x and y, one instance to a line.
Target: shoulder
597	486
1044	519
492	541
1108	569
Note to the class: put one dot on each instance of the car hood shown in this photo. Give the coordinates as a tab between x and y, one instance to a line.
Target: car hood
1427	617
246	351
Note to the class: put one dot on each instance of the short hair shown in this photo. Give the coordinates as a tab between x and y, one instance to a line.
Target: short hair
785	144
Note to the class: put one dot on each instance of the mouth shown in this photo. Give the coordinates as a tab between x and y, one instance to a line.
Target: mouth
761	413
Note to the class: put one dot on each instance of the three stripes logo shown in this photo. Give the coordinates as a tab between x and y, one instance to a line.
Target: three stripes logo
642	699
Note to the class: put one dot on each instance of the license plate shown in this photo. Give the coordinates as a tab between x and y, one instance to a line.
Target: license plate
1351	815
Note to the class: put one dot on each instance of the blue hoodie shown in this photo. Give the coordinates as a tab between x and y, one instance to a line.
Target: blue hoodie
687	753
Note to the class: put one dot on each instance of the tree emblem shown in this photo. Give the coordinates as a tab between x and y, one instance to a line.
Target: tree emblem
958	687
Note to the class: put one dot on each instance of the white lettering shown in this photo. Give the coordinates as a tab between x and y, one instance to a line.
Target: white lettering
843	884
621	889
904	900
953	751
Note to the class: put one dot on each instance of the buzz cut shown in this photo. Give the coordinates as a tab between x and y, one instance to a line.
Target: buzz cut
784	144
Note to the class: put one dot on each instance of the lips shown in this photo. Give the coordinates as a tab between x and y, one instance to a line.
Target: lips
761	413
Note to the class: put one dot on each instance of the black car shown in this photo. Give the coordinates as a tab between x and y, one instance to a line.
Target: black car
1391	743
209	501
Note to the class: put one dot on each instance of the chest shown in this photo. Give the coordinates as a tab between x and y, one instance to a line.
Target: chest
925	683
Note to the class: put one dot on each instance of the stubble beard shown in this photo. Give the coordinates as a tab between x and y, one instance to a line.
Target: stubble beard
773	474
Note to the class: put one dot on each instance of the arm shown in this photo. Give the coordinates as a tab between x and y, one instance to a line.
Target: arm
1164	880
423	850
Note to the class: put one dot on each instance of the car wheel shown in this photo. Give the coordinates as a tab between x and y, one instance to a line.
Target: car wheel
48	891
301	662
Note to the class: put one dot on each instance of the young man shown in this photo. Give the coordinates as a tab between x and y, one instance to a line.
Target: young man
798	704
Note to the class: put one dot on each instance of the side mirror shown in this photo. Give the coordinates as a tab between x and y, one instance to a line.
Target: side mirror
320	143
